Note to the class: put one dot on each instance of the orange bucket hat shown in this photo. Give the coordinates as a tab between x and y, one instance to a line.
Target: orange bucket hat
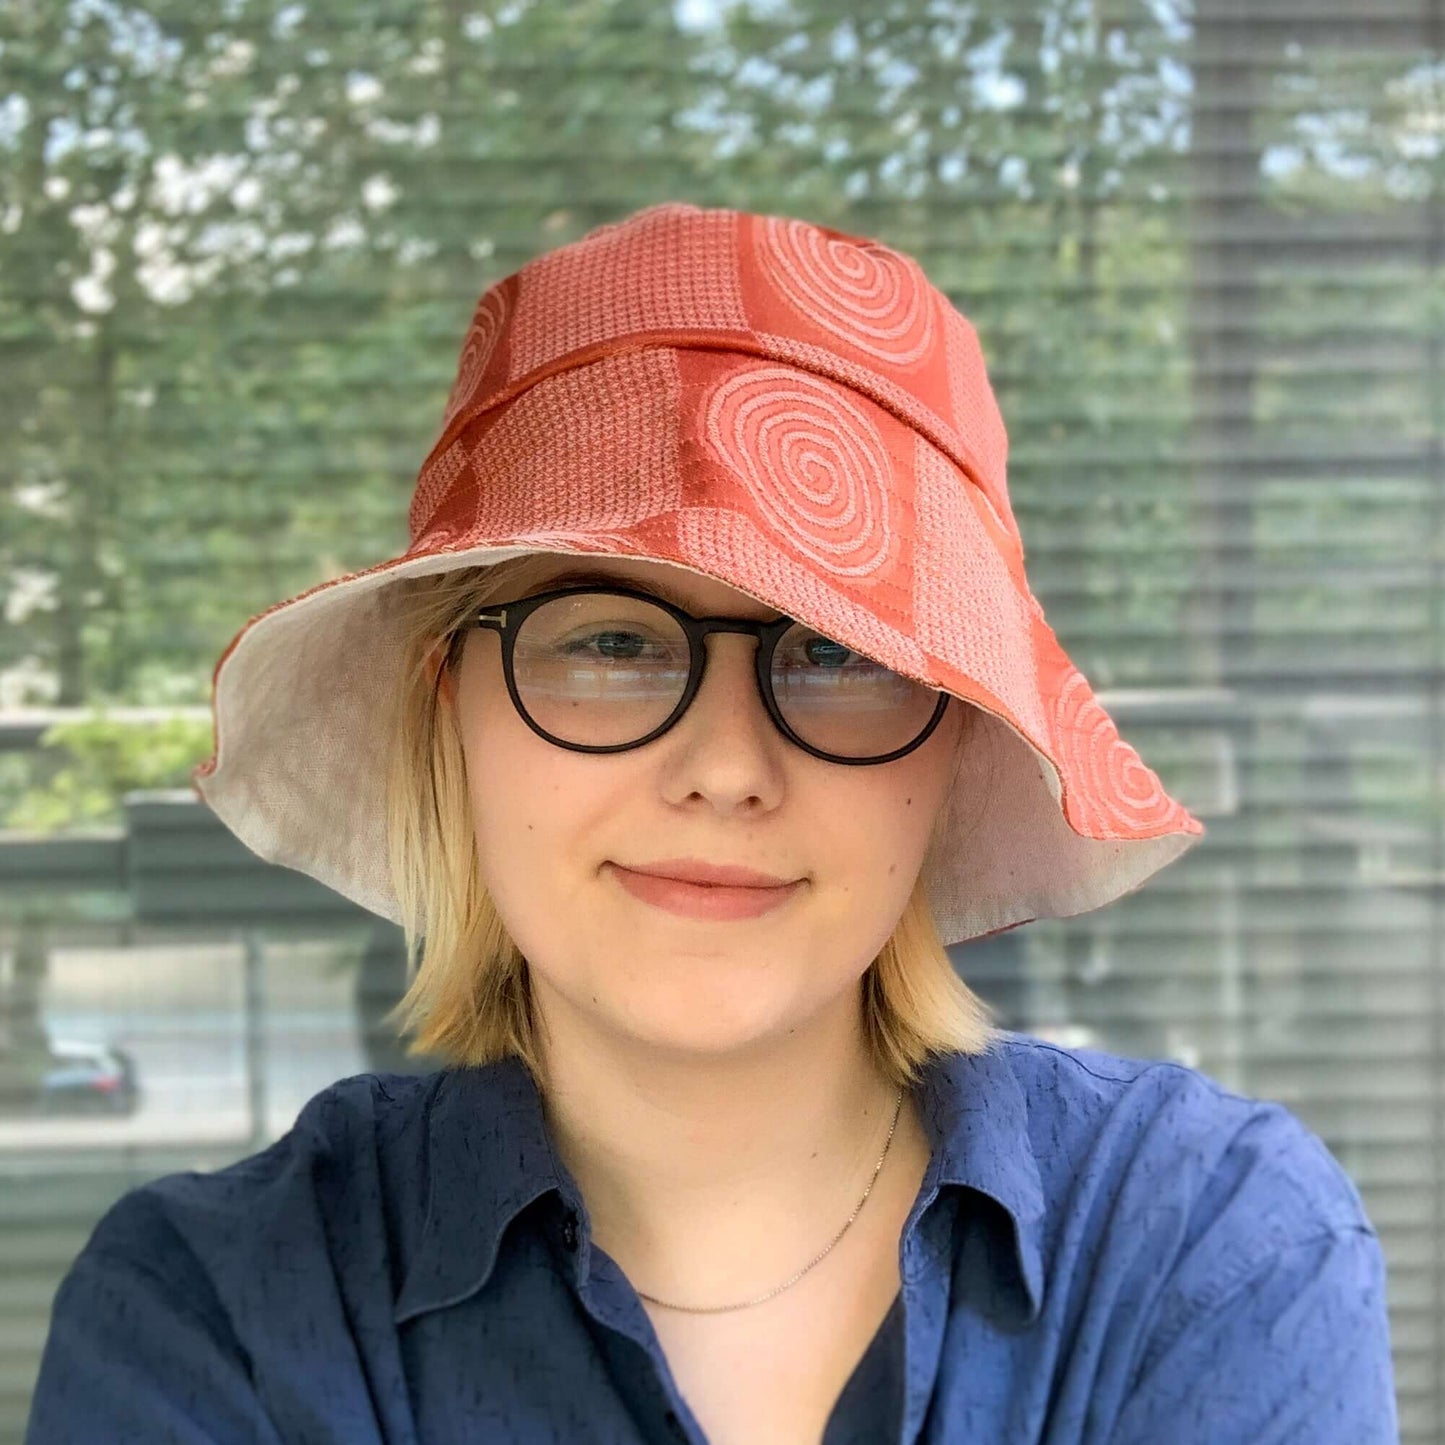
786	408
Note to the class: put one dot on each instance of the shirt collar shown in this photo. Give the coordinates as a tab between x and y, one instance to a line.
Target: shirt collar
976	1116
489	1156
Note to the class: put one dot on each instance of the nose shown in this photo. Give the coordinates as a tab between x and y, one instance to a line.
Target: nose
729	688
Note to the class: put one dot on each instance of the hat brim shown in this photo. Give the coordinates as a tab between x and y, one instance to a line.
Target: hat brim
789	487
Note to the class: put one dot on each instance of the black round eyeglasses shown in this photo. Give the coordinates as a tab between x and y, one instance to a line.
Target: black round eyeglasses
602	669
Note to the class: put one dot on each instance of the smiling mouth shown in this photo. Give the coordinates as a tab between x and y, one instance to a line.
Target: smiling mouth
709	875
704	900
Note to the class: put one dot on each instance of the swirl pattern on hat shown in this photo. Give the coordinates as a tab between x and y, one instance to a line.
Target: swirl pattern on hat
1120	793
871	297
488	322
815	466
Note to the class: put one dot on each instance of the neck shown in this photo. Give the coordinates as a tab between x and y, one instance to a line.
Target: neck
696	1171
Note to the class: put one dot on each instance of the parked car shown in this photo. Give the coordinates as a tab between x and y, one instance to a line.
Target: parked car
86	1078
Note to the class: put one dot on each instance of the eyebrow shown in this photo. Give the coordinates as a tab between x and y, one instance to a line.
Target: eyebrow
577	575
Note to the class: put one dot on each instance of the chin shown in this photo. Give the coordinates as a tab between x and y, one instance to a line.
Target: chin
710	1025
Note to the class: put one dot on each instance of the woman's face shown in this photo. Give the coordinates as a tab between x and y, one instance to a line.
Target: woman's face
723	786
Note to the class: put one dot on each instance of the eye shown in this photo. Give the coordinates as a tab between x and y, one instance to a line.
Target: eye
826	653
616	643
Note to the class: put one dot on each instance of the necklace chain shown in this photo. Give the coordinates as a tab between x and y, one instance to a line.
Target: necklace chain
746	1304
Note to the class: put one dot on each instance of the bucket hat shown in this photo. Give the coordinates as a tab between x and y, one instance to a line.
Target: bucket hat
787	408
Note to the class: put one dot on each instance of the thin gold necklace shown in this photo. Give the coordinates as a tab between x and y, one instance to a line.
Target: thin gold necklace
719	1309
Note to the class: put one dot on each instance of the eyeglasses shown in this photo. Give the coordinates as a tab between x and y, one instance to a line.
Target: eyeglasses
607	669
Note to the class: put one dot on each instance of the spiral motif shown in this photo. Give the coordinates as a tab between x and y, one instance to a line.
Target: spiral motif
1114	790
487	323
814	463
873	298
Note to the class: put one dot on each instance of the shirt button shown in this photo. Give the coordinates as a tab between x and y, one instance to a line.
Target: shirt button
675	1425
569	1231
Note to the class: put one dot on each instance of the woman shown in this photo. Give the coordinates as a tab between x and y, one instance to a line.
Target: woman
720	705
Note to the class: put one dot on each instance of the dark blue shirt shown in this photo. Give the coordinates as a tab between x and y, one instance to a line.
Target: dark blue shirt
1103	1249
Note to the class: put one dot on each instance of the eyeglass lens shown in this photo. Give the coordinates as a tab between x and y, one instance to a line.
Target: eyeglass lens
601	670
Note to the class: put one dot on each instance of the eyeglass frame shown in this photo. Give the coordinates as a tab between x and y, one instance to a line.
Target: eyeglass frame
506	620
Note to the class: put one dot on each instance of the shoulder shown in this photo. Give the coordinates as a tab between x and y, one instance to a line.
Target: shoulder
352	1147
204	1300
1168	1192
1175	1197
1189	1229
1185	1146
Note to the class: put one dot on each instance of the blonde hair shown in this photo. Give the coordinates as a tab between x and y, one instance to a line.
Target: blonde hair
469	998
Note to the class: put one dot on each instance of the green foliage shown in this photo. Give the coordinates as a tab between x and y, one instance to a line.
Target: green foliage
83	770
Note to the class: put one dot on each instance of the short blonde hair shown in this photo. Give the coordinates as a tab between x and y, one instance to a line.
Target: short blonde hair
469	999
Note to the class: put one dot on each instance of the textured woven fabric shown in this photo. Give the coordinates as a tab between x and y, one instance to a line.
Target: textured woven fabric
782	407
1103	1251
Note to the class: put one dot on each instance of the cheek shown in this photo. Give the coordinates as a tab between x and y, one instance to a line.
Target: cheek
873	846
523	822
521	814
505	794
532	805
901	820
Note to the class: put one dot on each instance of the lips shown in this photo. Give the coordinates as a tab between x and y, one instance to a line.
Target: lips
705	900
714	875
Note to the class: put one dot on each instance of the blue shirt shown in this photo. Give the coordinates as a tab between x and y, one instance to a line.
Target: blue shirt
1103	1249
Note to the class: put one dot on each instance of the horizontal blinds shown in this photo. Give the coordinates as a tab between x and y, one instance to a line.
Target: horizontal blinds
1202	246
